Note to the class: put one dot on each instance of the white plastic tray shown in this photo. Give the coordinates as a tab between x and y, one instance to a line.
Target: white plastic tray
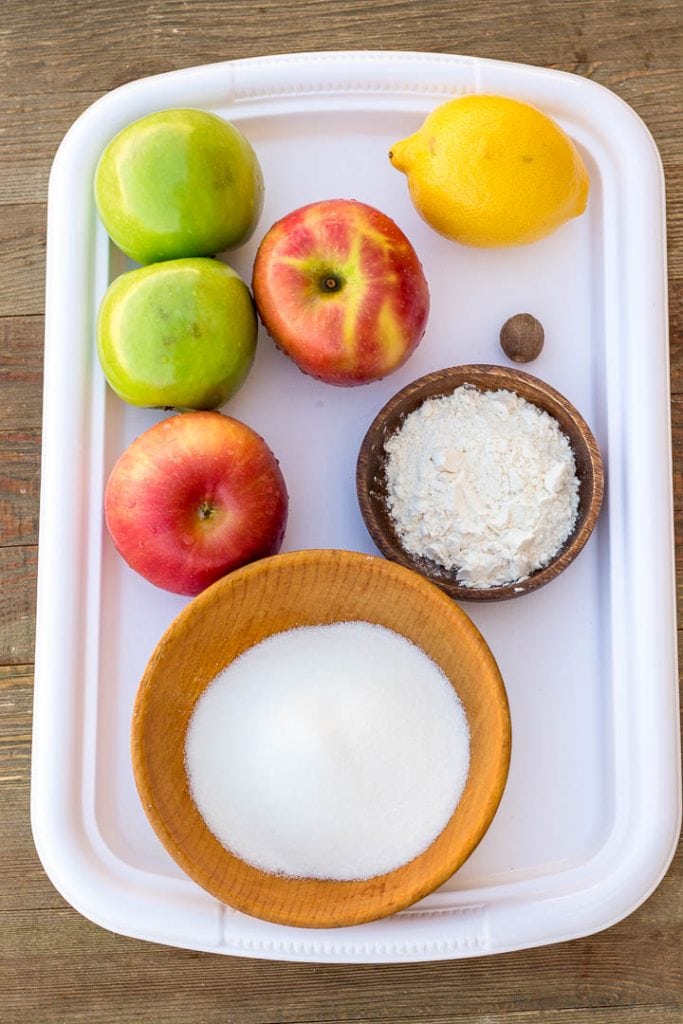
589	820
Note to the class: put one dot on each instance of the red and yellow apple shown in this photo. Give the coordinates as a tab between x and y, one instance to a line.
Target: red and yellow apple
193	498
340	289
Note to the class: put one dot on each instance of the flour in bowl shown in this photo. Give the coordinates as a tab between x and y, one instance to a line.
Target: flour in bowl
483	483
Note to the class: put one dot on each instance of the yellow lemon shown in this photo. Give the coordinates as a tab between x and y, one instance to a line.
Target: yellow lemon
491	171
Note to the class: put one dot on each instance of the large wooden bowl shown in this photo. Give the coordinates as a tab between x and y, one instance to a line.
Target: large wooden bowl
371	478
312	588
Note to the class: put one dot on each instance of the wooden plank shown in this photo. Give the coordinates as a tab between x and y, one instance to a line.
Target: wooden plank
67	44
16	689
592	1015
33	126
677	442
23	883
22	260
17	604
19	487
21	344
21	372
676	333
116	1008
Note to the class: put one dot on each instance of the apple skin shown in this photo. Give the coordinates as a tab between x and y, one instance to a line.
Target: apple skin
193	498
178	183
180	334
340	289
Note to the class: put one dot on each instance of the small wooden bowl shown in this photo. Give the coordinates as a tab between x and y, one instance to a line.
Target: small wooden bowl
278	593
371	478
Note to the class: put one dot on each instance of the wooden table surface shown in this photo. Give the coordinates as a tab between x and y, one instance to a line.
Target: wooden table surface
56	57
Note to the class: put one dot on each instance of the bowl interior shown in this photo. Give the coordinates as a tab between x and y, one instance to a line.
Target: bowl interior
371	478
312	588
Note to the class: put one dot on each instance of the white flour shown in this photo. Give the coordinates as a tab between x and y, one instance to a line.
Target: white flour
482	482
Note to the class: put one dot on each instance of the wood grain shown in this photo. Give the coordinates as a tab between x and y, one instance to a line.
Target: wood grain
17	604
21	374
19	487
22	260
15	709
55	59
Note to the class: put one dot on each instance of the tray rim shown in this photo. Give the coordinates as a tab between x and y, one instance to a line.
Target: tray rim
106	110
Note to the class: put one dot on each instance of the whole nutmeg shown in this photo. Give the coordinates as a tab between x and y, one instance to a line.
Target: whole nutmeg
521	337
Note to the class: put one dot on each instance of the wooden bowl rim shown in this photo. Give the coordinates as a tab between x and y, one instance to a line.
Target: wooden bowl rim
430	881
502	378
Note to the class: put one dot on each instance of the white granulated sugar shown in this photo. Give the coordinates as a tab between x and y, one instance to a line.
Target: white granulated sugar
484	483
333	752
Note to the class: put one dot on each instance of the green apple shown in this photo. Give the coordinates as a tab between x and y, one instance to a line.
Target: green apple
178	183
180	334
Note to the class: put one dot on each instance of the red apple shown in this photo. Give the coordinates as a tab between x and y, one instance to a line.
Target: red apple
193	498
340	289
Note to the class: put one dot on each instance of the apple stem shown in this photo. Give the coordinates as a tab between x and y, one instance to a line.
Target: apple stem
330	283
